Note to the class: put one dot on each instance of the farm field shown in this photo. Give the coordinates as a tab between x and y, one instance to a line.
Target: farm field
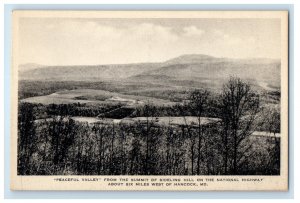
158	121
165	121
93	96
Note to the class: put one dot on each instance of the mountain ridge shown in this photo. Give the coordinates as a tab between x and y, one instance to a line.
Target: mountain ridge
184	67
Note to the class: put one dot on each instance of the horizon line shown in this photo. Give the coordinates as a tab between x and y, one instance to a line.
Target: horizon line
233	58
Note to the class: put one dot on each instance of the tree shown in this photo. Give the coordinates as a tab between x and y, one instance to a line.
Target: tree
188	133
27	138
198	105
99	132
149	112
273	126
238	108
273	121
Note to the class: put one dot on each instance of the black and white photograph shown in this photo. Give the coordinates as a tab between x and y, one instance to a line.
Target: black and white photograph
164	94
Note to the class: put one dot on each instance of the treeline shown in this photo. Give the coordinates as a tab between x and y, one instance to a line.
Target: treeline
112	110
65	147
40	88
225	147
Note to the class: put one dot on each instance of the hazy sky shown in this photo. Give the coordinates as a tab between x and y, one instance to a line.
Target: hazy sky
54	41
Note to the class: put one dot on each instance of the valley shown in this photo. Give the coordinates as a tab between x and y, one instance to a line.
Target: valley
190	115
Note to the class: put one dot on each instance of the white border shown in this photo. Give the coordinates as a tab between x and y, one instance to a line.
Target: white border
296	72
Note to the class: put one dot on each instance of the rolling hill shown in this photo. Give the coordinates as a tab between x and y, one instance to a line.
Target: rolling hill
186	70
85	73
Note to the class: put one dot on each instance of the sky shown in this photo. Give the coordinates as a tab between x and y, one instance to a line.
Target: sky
63	41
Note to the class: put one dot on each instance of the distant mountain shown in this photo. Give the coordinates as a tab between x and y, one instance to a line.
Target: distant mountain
29	66
220	69
215	70
192	58
183	70
201	58
84	72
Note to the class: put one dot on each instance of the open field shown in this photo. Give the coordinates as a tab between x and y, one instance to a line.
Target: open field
165	121
157	121
92	96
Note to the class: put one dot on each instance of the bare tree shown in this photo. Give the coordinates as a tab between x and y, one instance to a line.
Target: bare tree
273	126
273	121
99	131
190	134
149	112
27	137
238	108
198	104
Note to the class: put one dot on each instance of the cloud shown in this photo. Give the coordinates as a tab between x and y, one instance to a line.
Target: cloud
192	31
65	41
77	42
